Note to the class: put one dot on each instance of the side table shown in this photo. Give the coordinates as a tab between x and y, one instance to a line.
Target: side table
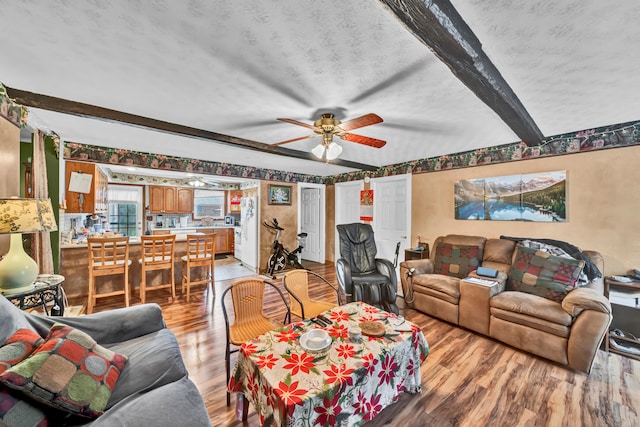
45	289
625	318
410	254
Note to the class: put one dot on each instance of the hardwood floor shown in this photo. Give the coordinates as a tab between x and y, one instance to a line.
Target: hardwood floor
468	379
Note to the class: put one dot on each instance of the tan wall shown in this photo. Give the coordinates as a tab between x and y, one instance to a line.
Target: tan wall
10	167
287	218
330	223
603	204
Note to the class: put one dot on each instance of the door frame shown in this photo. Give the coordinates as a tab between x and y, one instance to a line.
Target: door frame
322	214
339	214
407	241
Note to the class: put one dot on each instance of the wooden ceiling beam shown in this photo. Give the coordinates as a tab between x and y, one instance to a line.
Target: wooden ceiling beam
437	24
80	109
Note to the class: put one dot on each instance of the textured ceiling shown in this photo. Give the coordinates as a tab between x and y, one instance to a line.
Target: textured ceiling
234	66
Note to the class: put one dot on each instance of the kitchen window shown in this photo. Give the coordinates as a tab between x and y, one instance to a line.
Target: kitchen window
208	203
125	209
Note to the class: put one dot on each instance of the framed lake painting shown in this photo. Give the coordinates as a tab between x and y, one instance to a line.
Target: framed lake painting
279	194
537	197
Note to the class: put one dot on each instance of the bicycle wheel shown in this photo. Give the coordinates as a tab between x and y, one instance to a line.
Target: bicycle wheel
277	262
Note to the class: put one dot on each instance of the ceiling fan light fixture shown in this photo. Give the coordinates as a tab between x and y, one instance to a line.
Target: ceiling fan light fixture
333	151
318	151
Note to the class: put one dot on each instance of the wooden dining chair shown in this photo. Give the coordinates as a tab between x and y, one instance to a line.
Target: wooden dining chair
249	320
157	253
201	252
297	282
108	256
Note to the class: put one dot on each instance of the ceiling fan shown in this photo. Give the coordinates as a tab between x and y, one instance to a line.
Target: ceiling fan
328	126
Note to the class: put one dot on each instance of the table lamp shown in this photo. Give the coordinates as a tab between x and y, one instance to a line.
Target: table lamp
17	269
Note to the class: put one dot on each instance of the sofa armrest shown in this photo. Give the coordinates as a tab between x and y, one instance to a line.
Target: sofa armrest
422	266
582	299
111	326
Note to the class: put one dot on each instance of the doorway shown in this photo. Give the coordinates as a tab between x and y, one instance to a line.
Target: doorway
392	215
311	217
391	212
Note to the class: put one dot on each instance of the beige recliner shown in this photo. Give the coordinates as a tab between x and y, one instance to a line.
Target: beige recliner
568	333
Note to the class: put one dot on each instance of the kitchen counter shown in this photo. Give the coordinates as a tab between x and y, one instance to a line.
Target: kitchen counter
74	262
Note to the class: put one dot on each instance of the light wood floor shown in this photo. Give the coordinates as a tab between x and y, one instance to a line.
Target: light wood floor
468	379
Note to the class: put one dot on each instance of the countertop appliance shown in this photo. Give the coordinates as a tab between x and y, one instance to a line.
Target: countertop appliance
229	220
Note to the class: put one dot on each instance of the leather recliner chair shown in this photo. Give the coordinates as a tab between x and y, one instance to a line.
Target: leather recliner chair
362	276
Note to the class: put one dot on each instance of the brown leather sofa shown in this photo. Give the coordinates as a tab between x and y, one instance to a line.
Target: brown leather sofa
568	333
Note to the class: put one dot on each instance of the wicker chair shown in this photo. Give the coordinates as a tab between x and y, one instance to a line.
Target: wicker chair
249	320
297	282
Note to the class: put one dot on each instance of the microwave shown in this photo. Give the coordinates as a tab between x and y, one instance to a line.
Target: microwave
229	220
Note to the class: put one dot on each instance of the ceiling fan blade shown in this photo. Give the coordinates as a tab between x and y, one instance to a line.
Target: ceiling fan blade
364	140
359	122
295	122
295	139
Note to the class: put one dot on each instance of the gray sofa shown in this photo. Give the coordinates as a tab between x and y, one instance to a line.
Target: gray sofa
153	388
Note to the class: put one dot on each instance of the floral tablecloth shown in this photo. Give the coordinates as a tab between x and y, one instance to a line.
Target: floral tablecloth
347	385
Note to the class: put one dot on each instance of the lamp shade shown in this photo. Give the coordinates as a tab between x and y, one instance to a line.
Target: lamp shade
18	216
26	216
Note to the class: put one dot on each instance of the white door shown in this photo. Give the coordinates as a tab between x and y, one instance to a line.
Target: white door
392	214
347	203
311	218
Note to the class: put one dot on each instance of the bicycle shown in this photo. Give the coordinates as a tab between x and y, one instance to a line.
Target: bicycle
281	256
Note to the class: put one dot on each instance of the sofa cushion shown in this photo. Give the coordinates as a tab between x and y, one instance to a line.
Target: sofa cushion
69	371
456	260
12	319
18	347
540	273
498	250
18	410
153	361
438	285
532	311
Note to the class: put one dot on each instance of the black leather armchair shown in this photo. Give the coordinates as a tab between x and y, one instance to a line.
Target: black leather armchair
362	276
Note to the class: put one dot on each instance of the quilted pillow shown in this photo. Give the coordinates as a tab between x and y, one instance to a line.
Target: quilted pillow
68	371
456	260
18	410
18	347
540	273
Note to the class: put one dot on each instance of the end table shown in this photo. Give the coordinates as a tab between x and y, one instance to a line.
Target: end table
45	289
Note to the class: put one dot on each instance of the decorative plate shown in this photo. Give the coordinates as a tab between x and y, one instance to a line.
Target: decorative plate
315	341
373	329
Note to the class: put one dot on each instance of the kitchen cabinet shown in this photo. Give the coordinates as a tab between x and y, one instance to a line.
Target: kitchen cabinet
184	200
165	200
224	239
96	200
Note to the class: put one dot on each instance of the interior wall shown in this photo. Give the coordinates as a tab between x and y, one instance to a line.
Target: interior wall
287	216
603	201
10	167
330	224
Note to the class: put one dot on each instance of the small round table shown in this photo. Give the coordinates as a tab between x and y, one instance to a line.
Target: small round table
45	289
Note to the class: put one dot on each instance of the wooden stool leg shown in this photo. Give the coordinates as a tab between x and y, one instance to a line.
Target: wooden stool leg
173	284
126	286
143	285
188	282
90	302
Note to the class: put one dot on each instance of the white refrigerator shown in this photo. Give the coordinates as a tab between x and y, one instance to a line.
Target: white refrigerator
248	232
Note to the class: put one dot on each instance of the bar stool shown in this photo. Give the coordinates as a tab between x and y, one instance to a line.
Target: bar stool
107	256
157	254
201	252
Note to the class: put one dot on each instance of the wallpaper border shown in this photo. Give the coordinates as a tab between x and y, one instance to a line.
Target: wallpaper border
604	137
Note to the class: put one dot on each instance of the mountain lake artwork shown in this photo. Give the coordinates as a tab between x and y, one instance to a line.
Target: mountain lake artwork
532	197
